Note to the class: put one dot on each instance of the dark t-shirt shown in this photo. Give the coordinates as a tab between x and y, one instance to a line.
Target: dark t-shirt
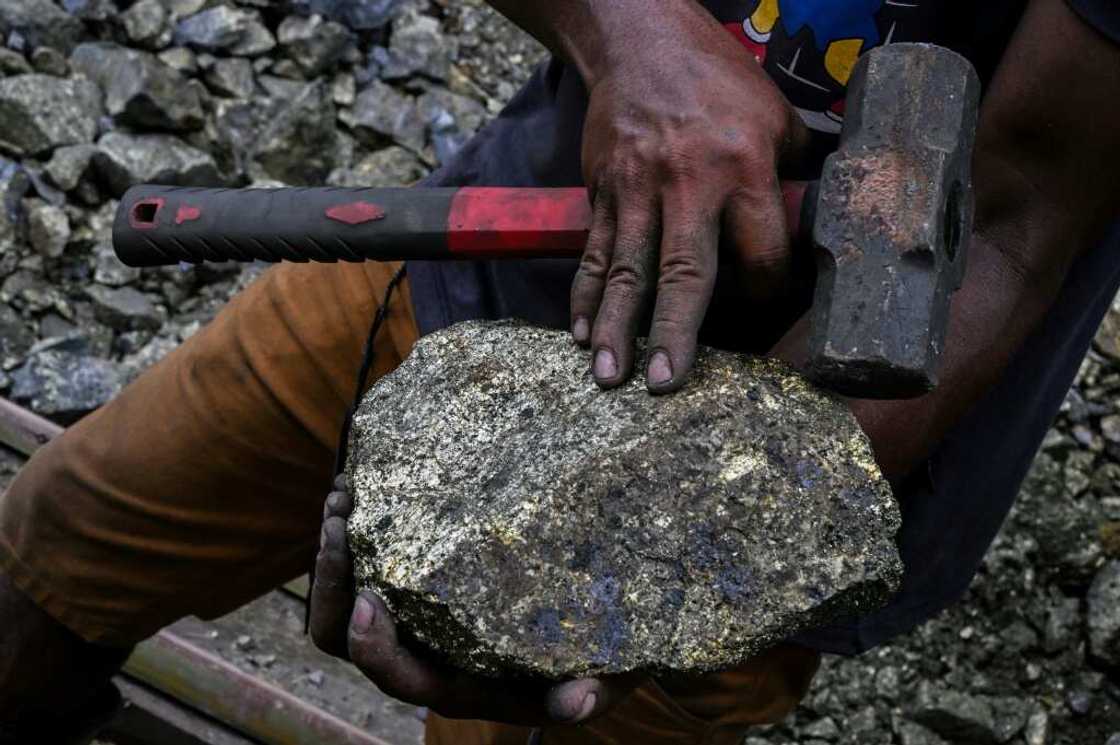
953	505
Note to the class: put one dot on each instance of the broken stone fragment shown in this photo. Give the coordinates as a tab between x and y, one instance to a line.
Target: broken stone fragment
140	90
123	160
39	22
520	521
381	111
40	112
312	43
48	229
225	29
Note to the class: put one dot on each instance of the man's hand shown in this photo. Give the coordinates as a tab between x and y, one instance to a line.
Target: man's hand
682	143
363	631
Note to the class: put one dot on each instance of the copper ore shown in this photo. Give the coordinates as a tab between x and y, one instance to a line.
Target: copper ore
518	520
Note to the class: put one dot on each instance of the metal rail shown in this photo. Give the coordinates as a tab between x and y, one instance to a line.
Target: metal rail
194	676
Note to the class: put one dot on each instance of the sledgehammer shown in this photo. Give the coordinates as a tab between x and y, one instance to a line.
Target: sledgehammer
890	220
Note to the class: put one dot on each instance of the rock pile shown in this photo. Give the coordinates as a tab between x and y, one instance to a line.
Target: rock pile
518	520
97	95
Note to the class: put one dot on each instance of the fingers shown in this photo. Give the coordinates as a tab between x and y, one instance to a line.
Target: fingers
686	278
377	650
332	592
591	277
581	700
755	224
630	283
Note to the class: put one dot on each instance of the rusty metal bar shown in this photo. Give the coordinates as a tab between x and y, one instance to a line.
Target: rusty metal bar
24	431
194	676
255	707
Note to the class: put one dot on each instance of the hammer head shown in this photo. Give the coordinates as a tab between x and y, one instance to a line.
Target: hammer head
892	221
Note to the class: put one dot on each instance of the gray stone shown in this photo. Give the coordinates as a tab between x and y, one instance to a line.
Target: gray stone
231	77
910	733
343	89
124	308
823	729
1110	428
1062	625
48	229
226	29
468	113
140	90
1010	716
1107	341
1104	614
954	715
393	166
39	23
1037	731
418	46
12	63
300	145
124	160
16	337
64	382
40	112
108	269
91	10
381	112
362	15
145	22
50	61
151	353
519	520
180	59
69	164
312	43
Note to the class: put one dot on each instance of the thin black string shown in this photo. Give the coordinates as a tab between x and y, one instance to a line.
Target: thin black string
359	391
365	370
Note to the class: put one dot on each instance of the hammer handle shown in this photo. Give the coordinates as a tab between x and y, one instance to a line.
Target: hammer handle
159	225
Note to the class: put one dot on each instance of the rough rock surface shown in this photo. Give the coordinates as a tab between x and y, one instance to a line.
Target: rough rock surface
38	22
532	524
124	160
1104	615
140	90
40	112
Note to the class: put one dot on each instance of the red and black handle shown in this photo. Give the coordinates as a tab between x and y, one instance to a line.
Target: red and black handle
159	225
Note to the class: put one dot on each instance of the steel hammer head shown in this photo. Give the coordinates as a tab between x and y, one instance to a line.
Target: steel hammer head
892	221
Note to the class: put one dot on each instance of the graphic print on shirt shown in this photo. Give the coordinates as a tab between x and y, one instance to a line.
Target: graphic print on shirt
809	47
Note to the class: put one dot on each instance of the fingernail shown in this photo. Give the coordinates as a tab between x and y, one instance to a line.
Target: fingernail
660	370
588	706
605	366
363	616
581	330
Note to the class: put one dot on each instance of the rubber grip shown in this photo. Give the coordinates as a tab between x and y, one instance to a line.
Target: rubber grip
160	225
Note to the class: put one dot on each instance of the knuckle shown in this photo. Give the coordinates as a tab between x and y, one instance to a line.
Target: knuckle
683	268
626	277
767	259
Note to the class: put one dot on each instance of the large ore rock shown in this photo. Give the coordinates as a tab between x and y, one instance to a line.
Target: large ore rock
519	521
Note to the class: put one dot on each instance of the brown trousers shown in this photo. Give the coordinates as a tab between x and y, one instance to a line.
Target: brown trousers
201	487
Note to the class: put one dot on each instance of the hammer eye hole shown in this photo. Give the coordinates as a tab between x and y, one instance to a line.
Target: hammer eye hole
953	229
144	213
